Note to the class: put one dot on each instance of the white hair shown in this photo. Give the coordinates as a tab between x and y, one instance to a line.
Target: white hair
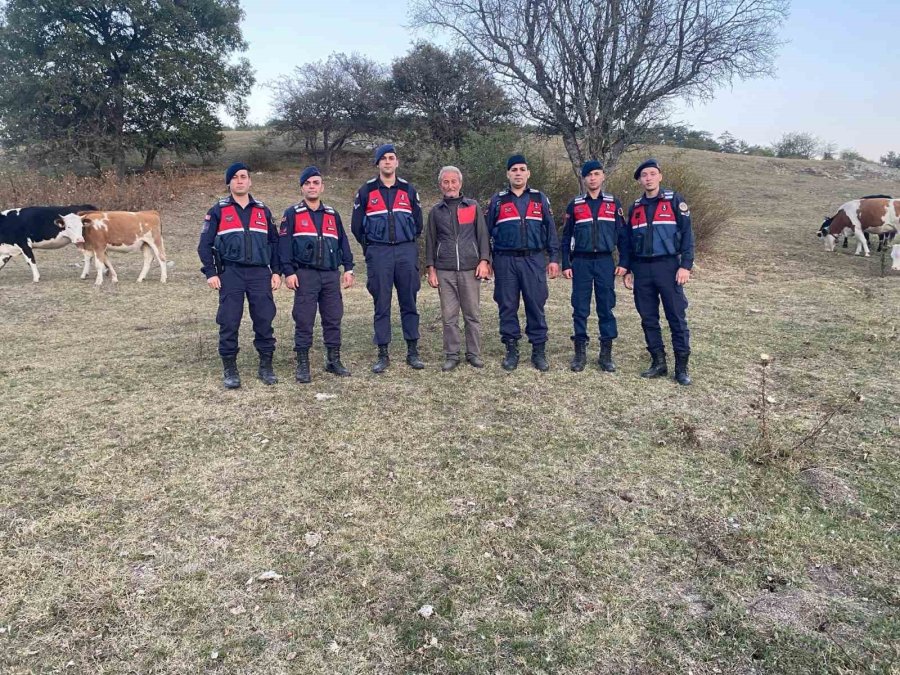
448	169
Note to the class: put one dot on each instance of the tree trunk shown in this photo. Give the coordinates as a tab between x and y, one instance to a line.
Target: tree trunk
150	158
576	157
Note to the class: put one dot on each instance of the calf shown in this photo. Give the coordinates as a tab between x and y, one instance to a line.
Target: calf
122	231
25	229
861	217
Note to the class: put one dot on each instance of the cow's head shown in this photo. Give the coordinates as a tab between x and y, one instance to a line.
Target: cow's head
825	233
70	226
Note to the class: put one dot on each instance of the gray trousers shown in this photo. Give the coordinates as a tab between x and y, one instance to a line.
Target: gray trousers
460	290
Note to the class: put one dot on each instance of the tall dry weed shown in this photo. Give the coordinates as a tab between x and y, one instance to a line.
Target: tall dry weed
132	193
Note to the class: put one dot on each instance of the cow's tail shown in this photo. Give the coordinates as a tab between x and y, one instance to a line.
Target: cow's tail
158	240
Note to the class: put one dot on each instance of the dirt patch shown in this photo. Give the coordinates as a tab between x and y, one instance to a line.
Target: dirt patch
790	608
830	489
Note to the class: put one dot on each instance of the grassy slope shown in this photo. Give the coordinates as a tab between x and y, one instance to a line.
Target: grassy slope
560	523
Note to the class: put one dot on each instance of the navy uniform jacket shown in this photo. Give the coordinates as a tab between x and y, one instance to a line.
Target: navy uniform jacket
659	226
523	223
386	215
593	226
313	238
240	235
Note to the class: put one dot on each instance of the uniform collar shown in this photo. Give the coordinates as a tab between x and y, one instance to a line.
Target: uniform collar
252	201
587	196
646	200
387	187
321	206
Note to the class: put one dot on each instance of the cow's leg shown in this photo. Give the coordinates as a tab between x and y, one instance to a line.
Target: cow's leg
148	258
87	263
862	242
101	259
160	258
28	255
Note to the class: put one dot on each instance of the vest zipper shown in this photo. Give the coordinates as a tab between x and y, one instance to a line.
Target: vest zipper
247	249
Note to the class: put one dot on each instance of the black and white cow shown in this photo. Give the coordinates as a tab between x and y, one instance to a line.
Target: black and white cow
22	230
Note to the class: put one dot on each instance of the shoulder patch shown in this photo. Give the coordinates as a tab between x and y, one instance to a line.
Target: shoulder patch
502	193
683	207
372	180
207	217
328	209
225	201
668	194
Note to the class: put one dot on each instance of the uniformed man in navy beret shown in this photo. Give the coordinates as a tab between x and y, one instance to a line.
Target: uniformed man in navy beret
239	251
659	258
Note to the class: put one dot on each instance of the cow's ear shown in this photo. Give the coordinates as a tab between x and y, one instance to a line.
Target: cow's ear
85	221
60	223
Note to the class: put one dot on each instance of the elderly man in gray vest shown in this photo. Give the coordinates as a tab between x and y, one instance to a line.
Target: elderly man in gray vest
458	257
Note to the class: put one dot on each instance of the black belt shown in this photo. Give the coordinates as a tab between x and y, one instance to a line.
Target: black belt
518	254
313	267
592	256
656	258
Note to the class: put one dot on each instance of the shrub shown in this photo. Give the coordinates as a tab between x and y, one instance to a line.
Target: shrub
709	213
133	193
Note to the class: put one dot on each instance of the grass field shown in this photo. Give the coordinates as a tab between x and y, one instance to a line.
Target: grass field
556	523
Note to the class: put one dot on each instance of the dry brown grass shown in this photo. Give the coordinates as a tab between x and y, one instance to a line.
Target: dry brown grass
558	523
133	193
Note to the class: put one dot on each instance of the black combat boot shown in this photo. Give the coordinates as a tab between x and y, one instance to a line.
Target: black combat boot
231	378
265	372
539	357
412	355
384	360
658	367
580	358
605	359
333	363
681	368
302	373
450	362
511	360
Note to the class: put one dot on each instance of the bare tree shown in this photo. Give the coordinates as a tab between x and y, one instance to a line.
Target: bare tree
333	99
599	72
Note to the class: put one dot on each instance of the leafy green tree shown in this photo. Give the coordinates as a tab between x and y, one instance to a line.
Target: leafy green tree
92	79
333	100
448	93
796	145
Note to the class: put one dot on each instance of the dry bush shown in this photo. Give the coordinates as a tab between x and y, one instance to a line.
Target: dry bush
709	212
133	193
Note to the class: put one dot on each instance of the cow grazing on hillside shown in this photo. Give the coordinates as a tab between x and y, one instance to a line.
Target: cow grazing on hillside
884	239
127	231
861	217
31	227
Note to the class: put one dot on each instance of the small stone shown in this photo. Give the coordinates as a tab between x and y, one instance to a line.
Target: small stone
426	611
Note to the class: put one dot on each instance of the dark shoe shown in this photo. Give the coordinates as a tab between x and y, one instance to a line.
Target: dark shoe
333	363
605	359
580	358
539	357
383	361
511	360
658	366
231	378
265	372
412	355
302	374
681	368
450	363
474	361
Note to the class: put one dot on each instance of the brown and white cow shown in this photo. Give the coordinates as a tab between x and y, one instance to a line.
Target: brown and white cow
861	217
126	231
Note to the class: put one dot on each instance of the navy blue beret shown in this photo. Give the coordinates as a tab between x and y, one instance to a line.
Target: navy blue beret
233	169
308	173
382	150
516	159
591	165
647	164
